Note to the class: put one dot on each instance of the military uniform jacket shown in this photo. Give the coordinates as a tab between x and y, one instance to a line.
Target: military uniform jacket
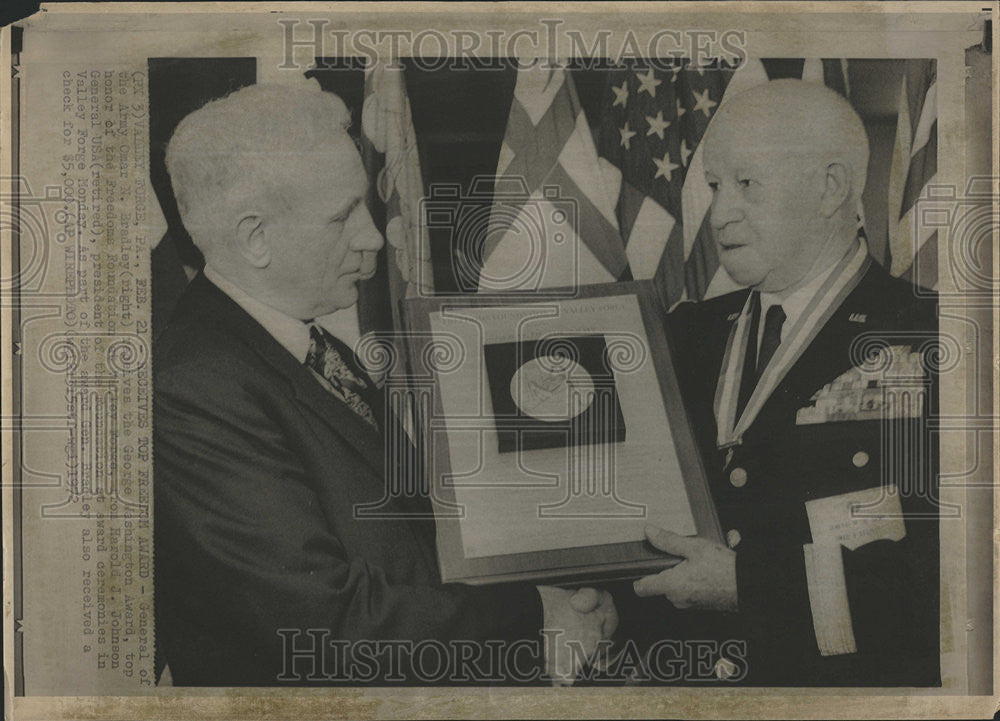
259	472
761	490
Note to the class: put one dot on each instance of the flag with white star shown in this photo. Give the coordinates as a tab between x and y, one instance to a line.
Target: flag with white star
640	192
652	125
649	146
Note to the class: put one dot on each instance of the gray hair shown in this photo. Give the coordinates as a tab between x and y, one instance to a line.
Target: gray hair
234	150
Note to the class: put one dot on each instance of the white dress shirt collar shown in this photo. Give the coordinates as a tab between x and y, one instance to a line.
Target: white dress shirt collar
793	304
290	332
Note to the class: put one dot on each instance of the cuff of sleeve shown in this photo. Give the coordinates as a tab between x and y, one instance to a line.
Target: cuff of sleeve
747	592
771	582
517	608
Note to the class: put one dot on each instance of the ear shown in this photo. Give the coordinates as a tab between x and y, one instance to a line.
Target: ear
836	188
251	242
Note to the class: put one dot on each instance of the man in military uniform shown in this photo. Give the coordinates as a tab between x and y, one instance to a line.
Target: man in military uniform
808	392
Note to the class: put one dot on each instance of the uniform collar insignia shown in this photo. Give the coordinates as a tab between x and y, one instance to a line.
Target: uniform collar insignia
858	318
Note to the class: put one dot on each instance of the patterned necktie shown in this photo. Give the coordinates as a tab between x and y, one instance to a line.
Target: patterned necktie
331	359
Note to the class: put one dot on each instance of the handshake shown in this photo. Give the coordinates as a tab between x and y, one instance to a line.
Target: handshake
575	622
578	621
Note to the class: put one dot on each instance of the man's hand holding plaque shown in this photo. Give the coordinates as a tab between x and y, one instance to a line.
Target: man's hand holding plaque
705	580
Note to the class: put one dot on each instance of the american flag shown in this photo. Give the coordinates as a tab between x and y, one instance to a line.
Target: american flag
912	247
640	188
650	135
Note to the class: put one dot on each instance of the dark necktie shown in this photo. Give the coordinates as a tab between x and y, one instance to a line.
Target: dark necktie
334	361
771	338
755	360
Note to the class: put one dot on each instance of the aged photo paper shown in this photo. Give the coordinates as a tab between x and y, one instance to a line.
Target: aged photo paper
223	415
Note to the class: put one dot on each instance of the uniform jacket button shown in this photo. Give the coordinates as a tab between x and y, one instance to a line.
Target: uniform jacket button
860	459
738	477
733	538
724	669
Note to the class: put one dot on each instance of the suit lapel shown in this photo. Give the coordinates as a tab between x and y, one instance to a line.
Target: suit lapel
220	309
340	418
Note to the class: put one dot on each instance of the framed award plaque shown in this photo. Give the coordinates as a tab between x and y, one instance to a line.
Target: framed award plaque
556	433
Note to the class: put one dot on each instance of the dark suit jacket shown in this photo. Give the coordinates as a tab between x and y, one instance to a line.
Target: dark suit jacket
258	470
893	587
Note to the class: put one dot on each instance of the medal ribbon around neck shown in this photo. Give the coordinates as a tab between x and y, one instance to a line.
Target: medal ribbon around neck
838	285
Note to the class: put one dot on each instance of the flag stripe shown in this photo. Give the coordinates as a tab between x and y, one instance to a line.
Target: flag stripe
702	263
536	147
923	166
552	128
924	269
669	277
549	144
578	159
629	203
600	236
648	238
927	119
919	77
505	214
835	76
536	89
912	251
812	70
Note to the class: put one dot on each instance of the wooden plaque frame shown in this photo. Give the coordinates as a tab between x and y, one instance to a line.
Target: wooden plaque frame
584	564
